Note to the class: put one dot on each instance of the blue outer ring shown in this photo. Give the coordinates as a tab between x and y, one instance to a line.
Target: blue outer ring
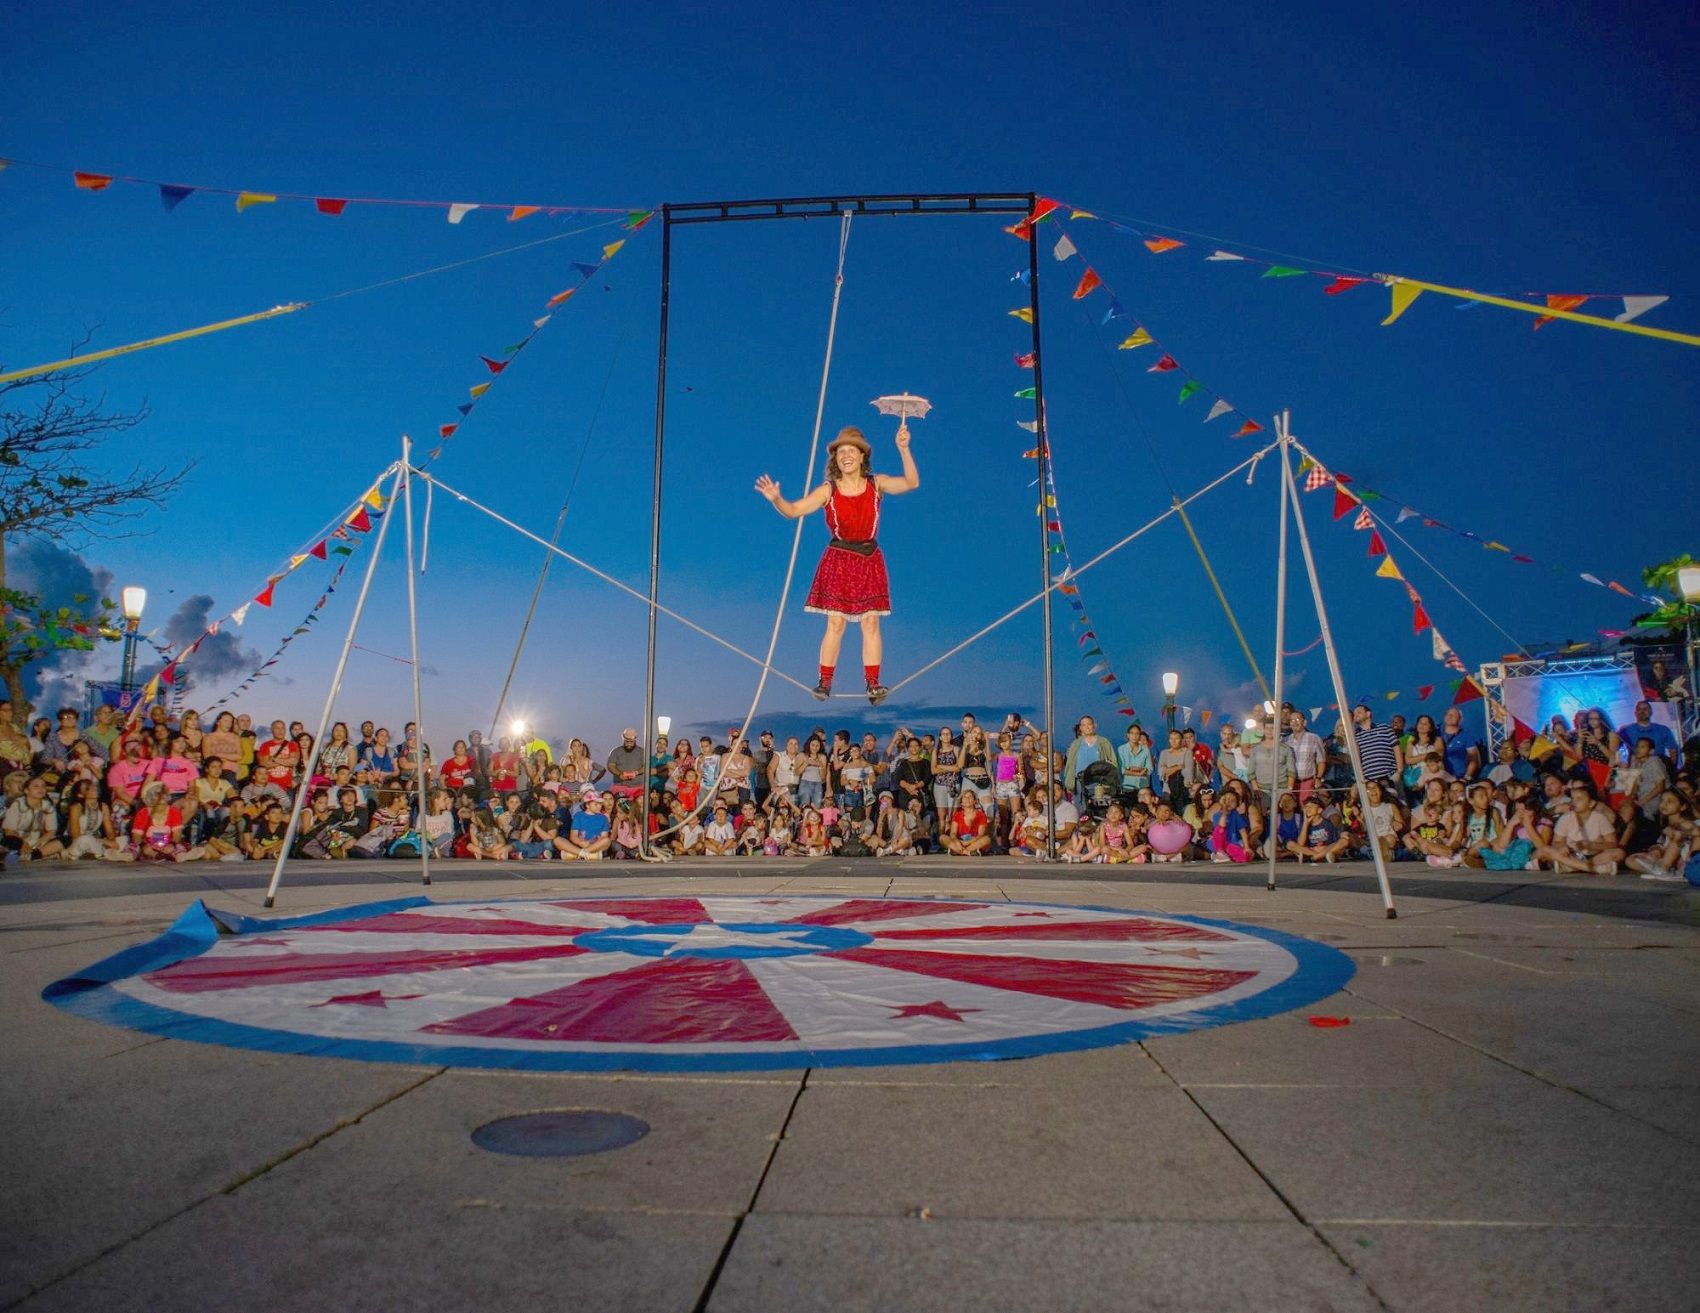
1321	971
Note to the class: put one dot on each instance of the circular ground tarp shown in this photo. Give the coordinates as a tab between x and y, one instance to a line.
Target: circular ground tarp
717	983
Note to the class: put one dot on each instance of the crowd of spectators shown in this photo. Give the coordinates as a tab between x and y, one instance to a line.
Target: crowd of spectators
1582	796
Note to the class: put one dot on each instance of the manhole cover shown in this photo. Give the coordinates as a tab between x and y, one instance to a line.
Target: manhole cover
560	1134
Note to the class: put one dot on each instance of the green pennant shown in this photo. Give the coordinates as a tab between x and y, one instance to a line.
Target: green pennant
343	551
1189	388
1029	393
1368	494
1282	271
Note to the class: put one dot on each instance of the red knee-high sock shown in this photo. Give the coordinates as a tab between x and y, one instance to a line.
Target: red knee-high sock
872	672
826	675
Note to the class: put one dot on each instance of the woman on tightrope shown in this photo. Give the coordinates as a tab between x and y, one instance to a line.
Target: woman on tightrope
850	582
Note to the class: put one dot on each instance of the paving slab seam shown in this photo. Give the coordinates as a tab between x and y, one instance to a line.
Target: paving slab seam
1298	1216
1530	1072
1508	1224
247	1177
749	1205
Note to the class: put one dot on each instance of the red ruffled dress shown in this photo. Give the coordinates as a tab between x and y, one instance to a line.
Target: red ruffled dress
846	581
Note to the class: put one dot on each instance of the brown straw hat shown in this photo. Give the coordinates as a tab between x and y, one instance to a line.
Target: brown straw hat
851	436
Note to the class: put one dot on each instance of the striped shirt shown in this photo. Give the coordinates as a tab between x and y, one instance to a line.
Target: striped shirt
1375	750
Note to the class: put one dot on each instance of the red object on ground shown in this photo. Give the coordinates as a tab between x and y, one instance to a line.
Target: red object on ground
1328	1023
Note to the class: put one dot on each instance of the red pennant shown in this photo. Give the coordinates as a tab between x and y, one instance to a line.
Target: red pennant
447	430
1376	546
1468	691
317	549
169	674
360	522
1520	733
1424	691
1340	284
1157	245
1329	1023
1521	559
1250	426
91	181
1343	501
329	205
1022	230
1025	361
1043	206
1419	619
265	598
494	366
1088	281
1164	365
559	297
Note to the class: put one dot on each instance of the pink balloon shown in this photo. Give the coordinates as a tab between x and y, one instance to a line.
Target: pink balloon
1169	836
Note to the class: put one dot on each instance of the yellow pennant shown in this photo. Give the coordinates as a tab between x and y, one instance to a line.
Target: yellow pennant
1138	338
479	390
374	499
609	250
1388	570
295	561
1540	745
1403	294
1025	314
248	198
1082	214
1496	547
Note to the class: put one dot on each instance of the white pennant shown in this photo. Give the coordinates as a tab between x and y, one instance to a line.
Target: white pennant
1636	306
240	613
459	212
1031	425
1405	513
1064	248
1314	713
1219	409
1223	255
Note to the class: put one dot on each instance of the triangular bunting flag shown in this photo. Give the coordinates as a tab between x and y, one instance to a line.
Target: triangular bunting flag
1619	588
1164	365
296	560
1419	619
251	198
447	430
171	197
1559	301
612	249
1190	388
465	408
1031	425
1598	583
1468	691
1025	361
1088	281
1022	231
1423	691
1157	245
1343	502
1376	546
1405	513
374	498
1024	314
586	270
1138	338
521	211
1317	478
1364	520
1028	393
1116	311
1249	427
317	550
264	598
494	366
1402	296
360	521
1388	570
1636	306
478	389
1340	284
240	614
636	219
91	181
559	297
459	211
1282	271
1042	209
1223	255
330	204
1064	248
1218	410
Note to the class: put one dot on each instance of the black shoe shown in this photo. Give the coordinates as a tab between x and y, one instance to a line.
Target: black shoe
878	693
823	691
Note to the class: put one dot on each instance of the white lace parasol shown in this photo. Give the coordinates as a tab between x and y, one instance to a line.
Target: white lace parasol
905	405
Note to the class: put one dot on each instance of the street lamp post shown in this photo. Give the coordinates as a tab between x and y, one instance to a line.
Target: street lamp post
1171	686
134	600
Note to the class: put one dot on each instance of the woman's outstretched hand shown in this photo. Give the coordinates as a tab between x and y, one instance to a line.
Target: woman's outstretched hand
768	488
903	436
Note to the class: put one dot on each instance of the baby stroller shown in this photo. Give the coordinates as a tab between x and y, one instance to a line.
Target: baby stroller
1100	785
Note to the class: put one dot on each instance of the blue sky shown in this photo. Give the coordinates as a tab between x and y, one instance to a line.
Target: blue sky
1480	146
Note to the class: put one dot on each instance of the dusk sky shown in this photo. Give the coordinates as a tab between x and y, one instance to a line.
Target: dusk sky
1496	147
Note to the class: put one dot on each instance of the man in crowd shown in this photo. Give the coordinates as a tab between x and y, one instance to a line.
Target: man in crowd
1310	754
626	766
1375	744
1644	727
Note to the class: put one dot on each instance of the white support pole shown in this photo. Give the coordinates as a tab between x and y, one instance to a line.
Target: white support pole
1334	671
413	635
1272	815
312	762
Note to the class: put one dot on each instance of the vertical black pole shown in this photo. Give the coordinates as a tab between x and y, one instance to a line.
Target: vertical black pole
1044	515
648	736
